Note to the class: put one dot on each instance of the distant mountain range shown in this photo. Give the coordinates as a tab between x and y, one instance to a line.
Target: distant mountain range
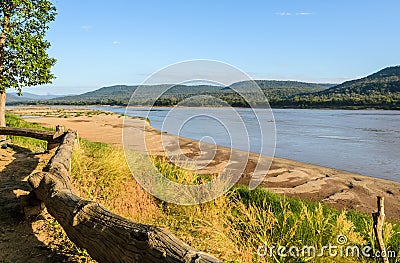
121	94
12	96
124	92
378	90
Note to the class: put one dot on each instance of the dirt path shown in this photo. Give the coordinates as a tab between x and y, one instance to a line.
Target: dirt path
337	188
21	240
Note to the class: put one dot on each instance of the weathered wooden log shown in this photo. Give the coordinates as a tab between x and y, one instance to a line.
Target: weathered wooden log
57	138
32	133
106	236
379	220
53	138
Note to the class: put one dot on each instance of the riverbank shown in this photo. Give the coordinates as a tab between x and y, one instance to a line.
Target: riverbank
337	188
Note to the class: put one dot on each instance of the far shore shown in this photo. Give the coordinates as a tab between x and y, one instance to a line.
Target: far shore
339	189
19	105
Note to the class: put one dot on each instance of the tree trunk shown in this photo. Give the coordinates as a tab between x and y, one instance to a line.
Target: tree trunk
5	27
2	112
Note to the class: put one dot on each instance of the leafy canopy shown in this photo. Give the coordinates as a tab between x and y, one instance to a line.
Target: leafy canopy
23	57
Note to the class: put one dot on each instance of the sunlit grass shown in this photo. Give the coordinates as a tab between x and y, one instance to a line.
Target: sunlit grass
233	226
99	172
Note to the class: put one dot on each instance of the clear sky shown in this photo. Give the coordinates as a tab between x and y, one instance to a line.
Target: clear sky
99	43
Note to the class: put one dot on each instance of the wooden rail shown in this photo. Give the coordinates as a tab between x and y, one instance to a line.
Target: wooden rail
53	138
106	236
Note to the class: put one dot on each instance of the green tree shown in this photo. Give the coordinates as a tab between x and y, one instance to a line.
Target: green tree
23	48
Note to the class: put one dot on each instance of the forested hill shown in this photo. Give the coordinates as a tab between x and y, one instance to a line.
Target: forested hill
271	84
275	89
378	90
385	81
105	93
121	94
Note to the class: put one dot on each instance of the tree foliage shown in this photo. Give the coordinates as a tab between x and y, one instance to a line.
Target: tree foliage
23	48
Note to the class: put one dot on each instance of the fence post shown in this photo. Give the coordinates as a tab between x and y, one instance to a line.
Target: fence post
379	220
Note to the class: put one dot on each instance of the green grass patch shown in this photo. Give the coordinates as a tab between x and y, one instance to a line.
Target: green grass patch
32	144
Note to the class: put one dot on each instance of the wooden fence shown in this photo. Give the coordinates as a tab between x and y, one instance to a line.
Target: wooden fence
53	139
106	236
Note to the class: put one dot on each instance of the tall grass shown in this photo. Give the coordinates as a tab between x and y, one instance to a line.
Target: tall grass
231	227
99	172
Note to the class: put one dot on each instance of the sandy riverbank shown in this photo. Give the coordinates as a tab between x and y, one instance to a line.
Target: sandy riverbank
337	188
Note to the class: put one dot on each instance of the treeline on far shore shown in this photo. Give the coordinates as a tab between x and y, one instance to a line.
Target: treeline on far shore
336	101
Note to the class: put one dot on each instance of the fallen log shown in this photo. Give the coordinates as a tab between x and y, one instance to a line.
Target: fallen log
106	236
53	138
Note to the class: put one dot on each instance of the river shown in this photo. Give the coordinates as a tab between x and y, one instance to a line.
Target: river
360	141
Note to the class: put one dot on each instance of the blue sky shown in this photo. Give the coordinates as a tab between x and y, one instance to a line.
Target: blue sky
99	43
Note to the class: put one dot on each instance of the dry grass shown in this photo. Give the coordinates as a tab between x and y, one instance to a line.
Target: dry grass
231	227
100	173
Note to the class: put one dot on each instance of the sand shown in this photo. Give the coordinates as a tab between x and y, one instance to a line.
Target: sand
339	189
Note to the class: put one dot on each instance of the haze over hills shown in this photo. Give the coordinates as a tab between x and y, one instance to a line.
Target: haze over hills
32	96
11	98
26	96
378	90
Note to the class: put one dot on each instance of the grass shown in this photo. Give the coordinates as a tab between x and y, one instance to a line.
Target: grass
34	145
231	227
179	175
99	172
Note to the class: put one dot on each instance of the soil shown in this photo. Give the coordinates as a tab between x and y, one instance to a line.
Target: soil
23	239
